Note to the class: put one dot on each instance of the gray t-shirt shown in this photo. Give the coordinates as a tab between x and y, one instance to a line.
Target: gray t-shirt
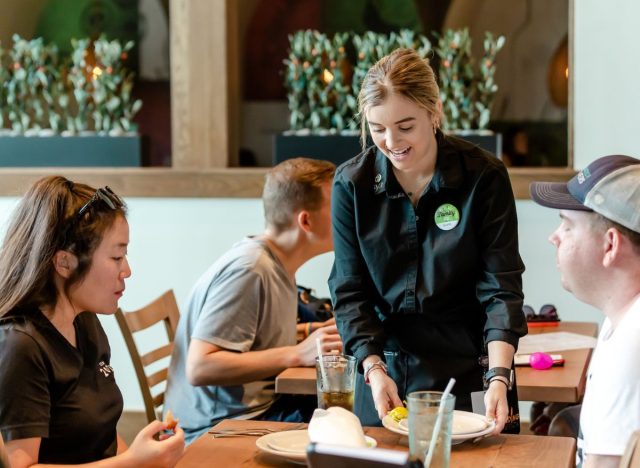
244	302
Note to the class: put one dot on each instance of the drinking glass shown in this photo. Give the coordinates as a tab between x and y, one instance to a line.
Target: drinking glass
336	381
423	413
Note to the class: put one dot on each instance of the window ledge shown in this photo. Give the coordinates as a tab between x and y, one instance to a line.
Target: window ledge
210	183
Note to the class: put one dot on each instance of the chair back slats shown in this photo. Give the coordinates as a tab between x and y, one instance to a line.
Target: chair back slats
163	309
157	377
158	400
156	354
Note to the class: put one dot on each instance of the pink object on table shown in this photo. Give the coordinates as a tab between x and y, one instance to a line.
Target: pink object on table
540	361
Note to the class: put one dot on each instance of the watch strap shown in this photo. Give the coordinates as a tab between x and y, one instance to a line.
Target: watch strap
494	372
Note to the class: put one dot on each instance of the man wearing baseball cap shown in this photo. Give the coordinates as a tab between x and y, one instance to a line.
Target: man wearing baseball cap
598	255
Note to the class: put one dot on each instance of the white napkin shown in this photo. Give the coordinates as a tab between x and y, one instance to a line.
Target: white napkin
336	426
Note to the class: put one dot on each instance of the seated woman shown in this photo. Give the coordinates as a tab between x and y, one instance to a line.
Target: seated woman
64	260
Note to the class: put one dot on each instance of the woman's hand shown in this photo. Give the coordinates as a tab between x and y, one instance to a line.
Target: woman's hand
146	451
495	401
384	391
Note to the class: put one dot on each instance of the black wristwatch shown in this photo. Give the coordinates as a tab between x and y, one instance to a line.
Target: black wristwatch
499	372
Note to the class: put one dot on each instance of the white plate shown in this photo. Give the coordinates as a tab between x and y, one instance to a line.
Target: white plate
465	426
465	423
292	445
394	426
289	441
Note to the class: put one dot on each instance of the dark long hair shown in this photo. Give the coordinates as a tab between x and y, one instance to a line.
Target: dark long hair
44	222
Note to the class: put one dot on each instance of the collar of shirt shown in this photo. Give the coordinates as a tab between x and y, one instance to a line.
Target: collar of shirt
448	173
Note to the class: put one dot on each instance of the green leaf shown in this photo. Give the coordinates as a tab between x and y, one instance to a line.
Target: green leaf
113	103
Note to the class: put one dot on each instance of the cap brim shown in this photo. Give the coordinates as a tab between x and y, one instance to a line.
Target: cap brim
554	195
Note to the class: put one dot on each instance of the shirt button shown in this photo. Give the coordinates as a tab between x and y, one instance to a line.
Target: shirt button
417	218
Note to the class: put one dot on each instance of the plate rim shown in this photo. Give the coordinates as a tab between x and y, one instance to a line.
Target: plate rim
287	434
263	444
469	414
391	424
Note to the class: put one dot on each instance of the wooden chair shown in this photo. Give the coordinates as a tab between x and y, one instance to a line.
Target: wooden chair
165	309
631	457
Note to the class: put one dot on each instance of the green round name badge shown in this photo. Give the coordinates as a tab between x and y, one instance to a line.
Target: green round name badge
447	217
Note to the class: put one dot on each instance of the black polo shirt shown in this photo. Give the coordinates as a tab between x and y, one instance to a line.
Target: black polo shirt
451	263
49	389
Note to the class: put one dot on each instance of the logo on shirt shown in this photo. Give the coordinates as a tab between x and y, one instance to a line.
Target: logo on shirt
447	217
105	368
378	182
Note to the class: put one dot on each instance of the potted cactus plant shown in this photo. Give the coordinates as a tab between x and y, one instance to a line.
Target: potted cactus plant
67	112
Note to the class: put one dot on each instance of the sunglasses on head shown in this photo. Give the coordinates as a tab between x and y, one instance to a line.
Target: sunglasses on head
547	313
105	195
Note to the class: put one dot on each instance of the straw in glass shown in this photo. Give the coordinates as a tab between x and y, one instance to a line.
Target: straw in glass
323	372
436	426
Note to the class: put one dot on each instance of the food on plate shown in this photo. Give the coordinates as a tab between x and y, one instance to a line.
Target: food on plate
169	421
336	426
399	413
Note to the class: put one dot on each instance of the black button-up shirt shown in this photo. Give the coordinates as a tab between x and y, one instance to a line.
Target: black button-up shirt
399	269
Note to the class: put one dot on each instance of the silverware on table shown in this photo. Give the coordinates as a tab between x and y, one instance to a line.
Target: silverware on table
256	431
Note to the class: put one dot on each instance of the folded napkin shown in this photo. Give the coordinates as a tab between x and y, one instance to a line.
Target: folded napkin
336	426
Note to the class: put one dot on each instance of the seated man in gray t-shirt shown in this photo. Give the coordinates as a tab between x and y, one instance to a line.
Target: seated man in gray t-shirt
238	329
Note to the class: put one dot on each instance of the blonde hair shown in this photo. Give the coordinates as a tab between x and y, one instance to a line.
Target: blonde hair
293	185
44	222
402	72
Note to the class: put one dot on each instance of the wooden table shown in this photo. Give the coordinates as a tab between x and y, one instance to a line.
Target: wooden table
559	384
498	451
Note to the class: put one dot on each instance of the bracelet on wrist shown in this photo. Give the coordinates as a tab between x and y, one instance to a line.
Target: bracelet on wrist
497	379
371	367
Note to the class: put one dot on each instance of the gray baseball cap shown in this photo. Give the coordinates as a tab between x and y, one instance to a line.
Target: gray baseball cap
609	186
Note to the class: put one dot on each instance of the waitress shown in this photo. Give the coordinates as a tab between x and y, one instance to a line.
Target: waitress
427	276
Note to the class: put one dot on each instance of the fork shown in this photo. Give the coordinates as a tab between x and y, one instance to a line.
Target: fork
257	431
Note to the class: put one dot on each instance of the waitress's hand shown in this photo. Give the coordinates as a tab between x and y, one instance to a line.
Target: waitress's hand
495	401
384	391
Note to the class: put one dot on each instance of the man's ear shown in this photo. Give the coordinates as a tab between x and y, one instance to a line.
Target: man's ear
304	220
65	263
612	246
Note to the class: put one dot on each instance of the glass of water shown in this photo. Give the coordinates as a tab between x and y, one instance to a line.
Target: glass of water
423	413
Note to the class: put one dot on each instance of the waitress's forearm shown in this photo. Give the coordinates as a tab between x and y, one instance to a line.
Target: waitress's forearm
372	358
500	354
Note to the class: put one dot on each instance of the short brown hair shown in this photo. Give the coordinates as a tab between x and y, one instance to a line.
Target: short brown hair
293	185
603	223
44	222
402	72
